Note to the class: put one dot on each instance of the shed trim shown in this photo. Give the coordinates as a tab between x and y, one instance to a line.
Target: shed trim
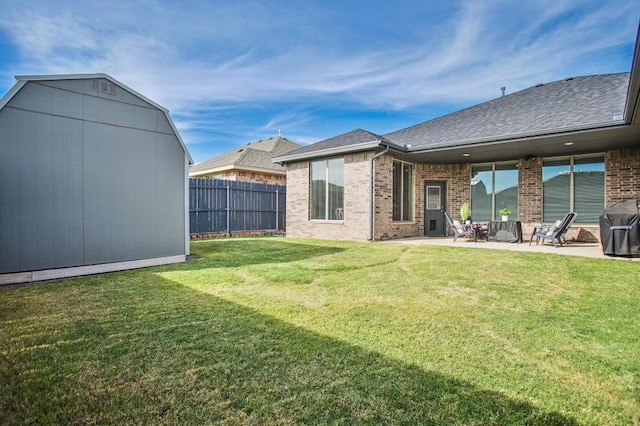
76	271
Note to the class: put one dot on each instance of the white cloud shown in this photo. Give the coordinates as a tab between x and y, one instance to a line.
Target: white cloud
199	57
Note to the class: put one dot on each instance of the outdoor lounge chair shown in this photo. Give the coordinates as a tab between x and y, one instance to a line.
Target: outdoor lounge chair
458	229
556	233
562	236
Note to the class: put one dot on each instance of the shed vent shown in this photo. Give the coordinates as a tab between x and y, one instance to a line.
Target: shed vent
104	86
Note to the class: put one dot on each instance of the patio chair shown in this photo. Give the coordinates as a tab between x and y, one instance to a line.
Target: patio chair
457	228
556	233
563	235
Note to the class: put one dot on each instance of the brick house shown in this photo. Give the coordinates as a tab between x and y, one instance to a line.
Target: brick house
249	163
568	145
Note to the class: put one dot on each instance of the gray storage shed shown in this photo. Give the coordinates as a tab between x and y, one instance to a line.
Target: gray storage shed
93	178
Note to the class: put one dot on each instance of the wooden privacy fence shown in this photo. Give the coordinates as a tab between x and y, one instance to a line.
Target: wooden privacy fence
217	206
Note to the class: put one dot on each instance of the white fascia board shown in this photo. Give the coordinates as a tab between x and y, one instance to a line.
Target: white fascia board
238	168
11	93
175	130
209	171
328	152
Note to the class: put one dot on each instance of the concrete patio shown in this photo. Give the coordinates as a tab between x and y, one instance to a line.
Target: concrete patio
593	250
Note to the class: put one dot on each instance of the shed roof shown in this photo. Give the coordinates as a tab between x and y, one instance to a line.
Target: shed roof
24	79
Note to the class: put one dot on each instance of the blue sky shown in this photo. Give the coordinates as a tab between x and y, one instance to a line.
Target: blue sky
236	71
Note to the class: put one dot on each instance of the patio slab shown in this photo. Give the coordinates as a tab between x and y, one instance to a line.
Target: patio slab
593	250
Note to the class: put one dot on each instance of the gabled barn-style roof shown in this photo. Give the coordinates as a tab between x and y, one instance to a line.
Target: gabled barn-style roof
22	80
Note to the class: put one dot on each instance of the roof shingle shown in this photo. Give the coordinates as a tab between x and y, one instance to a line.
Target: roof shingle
254	155
580	102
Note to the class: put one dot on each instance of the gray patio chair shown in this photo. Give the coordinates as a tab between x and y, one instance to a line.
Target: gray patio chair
458	229
556	233
562	236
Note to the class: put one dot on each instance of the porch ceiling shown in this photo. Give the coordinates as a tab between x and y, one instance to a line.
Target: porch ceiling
562	144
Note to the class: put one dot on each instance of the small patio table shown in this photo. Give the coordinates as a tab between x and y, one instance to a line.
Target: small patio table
476	228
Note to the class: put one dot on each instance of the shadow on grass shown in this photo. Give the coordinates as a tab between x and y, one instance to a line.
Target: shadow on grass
158	352
243	252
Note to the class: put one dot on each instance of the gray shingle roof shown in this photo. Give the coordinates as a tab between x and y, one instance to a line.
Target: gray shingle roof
351	141
571	104
253	155
574	103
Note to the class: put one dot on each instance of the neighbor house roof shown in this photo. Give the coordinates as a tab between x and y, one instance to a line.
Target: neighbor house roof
22	80
533	121
256	156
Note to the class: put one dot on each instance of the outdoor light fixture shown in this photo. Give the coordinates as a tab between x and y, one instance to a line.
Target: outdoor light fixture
568	143
466	154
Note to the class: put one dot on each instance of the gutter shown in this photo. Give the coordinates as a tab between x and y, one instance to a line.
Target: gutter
371	191
327	152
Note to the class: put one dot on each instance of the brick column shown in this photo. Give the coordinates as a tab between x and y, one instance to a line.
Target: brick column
622	177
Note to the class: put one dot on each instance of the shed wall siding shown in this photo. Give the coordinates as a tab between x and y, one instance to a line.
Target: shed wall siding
87	178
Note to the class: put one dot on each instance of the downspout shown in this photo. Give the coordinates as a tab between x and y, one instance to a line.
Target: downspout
371	192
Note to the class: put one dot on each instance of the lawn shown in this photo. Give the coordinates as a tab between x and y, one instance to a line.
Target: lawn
283	331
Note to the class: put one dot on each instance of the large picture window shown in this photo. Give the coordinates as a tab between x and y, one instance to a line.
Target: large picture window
327	189
573	184
402	191
493	188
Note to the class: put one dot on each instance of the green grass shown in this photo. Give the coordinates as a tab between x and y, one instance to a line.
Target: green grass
279	331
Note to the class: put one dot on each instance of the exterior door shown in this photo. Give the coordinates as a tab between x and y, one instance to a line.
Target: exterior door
435	204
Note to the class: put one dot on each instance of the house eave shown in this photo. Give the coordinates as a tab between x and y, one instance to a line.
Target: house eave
584	140
232	167
348	149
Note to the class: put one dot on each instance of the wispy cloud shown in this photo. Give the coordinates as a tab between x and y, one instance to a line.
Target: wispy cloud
207	61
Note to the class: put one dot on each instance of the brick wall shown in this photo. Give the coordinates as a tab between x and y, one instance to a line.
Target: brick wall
530	195
622	175
457	176
622	182
355	225
385	227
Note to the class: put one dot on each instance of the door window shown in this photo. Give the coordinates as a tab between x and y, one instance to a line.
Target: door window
434	201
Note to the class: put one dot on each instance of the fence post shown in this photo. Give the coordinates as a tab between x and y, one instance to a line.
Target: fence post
228	210
277	213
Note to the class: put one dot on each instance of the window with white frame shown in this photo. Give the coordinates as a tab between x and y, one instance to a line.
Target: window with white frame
402	191
494	187
327	189
573	184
